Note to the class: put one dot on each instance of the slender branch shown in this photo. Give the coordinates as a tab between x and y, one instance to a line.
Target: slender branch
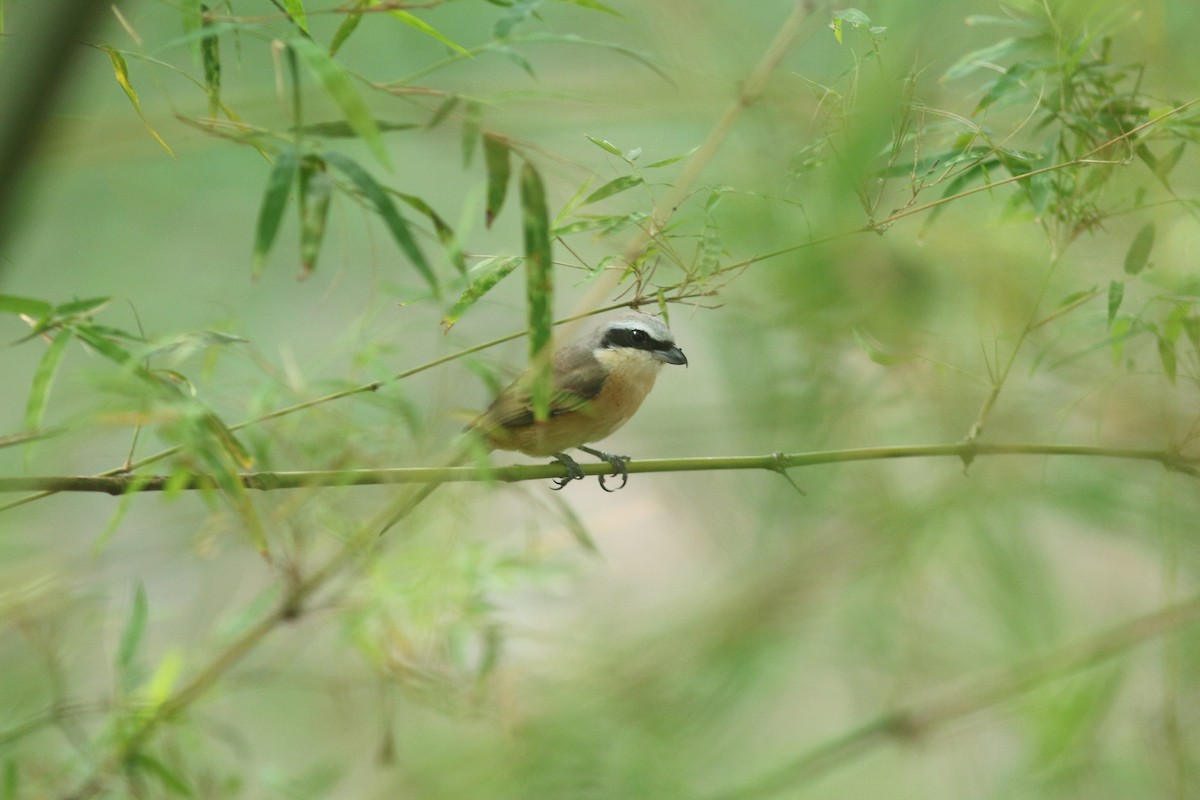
921	719
774	462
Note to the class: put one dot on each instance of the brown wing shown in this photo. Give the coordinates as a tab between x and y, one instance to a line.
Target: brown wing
577	377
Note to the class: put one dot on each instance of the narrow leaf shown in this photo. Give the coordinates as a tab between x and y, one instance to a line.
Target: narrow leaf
1166	354
496	155
210	56
15	304
121	70
424	27
606	146
1116	293
171	780
295	10
472	125
594	5
43	379
1139	250
673	159
103	345
134	628
270	213
539	287
375	194
337	84
349	24
315	191
82	308
443	111
493	274
444	232
615	186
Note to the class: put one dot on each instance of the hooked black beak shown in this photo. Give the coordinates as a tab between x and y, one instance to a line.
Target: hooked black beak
672	355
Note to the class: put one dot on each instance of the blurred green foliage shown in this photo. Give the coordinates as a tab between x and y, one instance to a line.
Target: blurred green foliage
286	236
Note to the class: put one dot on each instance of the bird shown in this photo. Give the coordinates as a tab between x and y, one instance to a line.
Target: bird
598	382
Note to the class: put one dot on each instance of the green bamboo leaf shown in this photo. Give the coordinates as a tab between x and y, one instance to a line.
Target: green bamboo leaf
985	57
275	198
132	637
572	39
666	162
496	155
12	778
315	192
103	345
594	5
472	126
192	14
82	308
494	271
337	84
43	379
210	56
443	111
615	186
444	232
15	304
348	26
121	70
1166	354
295	10
605	145
1116	293
539	286
375	194
424	27
1139	249
169	778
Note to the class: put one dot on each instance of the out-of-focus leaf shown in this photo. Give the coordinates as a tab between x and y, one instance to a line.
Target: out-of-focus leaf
515	57
472	126
275	198
443	111
103	345
378	197
424	27
494	271
43	379
210	57
131	638
497	157
539	287
606	224
193	18
337	84
567	38
1116	293
986	56
1003	86
121	70
315	192
295	10
343	130
14	304
1139	249
615	186
1166	354
171	780
349	24
594	5
518	12
82	308
666	162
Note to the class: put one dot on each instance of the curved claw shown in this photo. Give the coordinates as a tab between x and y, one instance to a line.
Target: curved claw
616	462
574	471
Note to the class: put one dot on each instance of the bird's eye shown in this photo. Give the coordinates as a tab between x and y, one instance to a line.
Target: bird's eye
638	337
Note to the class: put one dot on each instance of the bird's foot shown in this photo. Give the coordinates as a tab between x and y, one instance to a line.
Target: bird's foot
618	463
574	471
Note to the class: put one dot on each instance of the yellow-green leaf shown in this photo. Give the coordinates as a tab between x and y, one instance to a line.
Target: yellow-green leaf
493	273
427	29
295	9
279	185
121	70
539	287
